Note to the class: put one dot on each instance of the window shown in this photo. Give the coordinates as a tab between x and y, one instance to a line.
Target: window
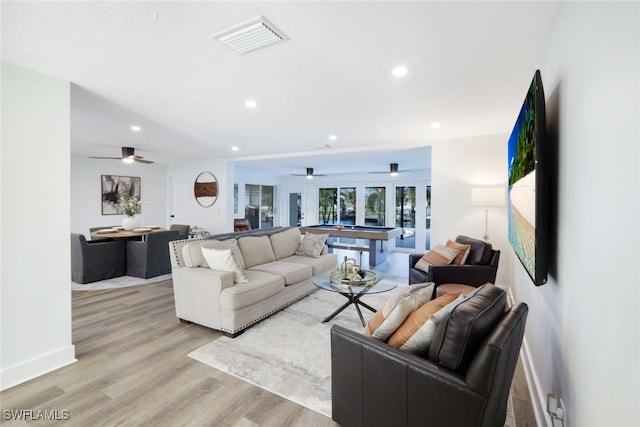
327	205
266	206
406	216
374	206
428	222
348	205
258	206
427	243
337	210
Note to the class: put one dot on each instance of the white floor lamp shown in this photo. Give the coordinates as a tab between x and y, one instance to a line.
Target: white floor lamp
486	197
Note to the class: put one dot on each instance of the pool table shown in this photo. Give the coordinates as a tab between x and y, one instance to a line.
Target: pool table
377	238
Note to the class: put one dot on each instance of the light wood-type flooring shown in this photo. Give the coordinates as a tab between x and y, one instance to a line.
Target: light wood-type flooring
133	370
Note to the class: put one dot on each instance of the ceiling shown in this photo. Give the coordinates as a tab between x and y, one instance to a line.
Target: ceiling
155	64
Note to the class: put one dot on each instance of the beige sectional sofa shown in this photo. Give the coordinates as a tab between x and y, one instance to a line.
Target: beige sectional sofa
271	276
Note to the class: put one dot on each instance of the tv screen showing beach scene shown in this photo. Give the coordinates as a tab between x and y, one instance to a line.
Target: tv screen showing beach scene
524	201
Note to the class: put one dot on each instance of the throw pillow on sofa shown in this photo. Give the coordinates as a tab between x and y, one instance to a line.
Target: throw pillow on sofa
438	255
223	259
312	244
389	318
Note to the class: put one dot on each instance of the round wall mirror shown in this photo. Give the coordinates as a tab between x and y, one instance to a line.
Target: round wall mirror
205	189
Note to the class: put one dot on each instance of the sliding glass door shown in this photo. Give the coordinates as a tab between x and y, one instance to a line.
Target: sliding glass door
406	216
259	205
374	206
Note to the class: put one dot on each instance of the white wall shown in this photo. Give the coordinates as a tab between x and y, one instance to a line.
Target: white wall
582	336
34	259
458	166
86	205
219	217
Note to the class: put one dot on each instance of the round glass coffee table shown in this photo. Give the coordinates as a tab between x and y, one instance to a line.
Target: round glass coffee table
354	293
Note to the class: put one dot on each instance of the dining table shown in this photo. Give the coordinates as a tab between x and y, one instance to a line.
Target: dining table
121	233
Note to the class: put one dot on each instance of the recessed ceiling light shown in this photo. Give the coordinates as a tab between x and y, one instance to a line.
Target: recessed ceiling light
399	71
435	125
251	103
234	148
135	128
333	137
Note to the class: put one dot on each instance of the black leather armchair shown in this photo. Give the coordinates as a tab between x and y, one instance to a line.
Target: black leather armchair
183	229
150	257
480	267
374	384
92	261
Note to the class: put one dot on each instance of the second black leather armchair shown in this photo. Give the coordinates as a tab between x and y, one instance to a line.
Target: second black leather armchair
481	266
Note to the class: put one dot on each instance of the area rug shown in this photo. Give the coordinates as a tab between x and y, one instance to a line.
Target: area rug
118	282
289	353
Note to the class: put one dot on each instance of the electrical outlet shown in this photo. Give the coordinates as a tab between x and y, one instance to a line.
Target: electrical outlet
556	410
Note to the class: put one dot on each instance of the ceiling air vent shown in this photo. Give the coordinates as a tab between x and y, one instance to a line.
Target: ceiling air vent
250	35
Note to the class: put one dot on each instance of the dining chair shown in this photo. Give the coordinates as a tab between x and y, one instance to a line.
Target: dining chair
92	260
150	257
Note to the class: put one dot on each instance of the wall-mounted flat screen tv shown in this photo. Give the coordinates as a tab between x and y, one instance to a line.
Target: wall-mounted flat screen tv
528	184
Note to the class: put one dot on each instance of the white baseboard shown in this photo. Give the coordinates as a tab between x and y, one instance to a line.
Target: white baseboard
538	399
29	369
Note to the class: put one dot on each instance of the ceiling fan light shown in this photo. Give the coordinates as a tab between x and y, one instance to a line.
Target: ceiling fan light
128	160
393	169
309	173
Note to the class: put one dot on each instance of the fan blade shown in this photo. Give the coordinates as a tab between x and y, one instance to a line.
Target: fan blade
128	155
138	159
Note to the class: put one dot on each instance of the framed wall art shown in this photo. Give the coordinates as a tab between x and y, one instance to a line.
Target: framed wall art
115	186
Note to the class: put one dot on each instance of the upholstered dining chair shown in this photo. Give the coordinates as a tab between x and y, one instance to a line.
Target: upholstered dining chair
92	261
182	228
150	257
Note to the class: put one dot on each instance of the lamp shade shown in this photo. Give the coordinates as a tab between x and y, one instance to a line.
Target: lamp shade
487	196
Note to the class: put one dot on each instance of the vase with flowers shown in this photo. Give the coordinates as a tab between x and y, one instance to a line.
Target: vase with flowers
129	207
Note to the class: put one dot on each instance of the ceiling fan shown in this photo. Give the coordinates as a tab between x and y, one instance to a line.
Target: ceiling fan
309	174
128	156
